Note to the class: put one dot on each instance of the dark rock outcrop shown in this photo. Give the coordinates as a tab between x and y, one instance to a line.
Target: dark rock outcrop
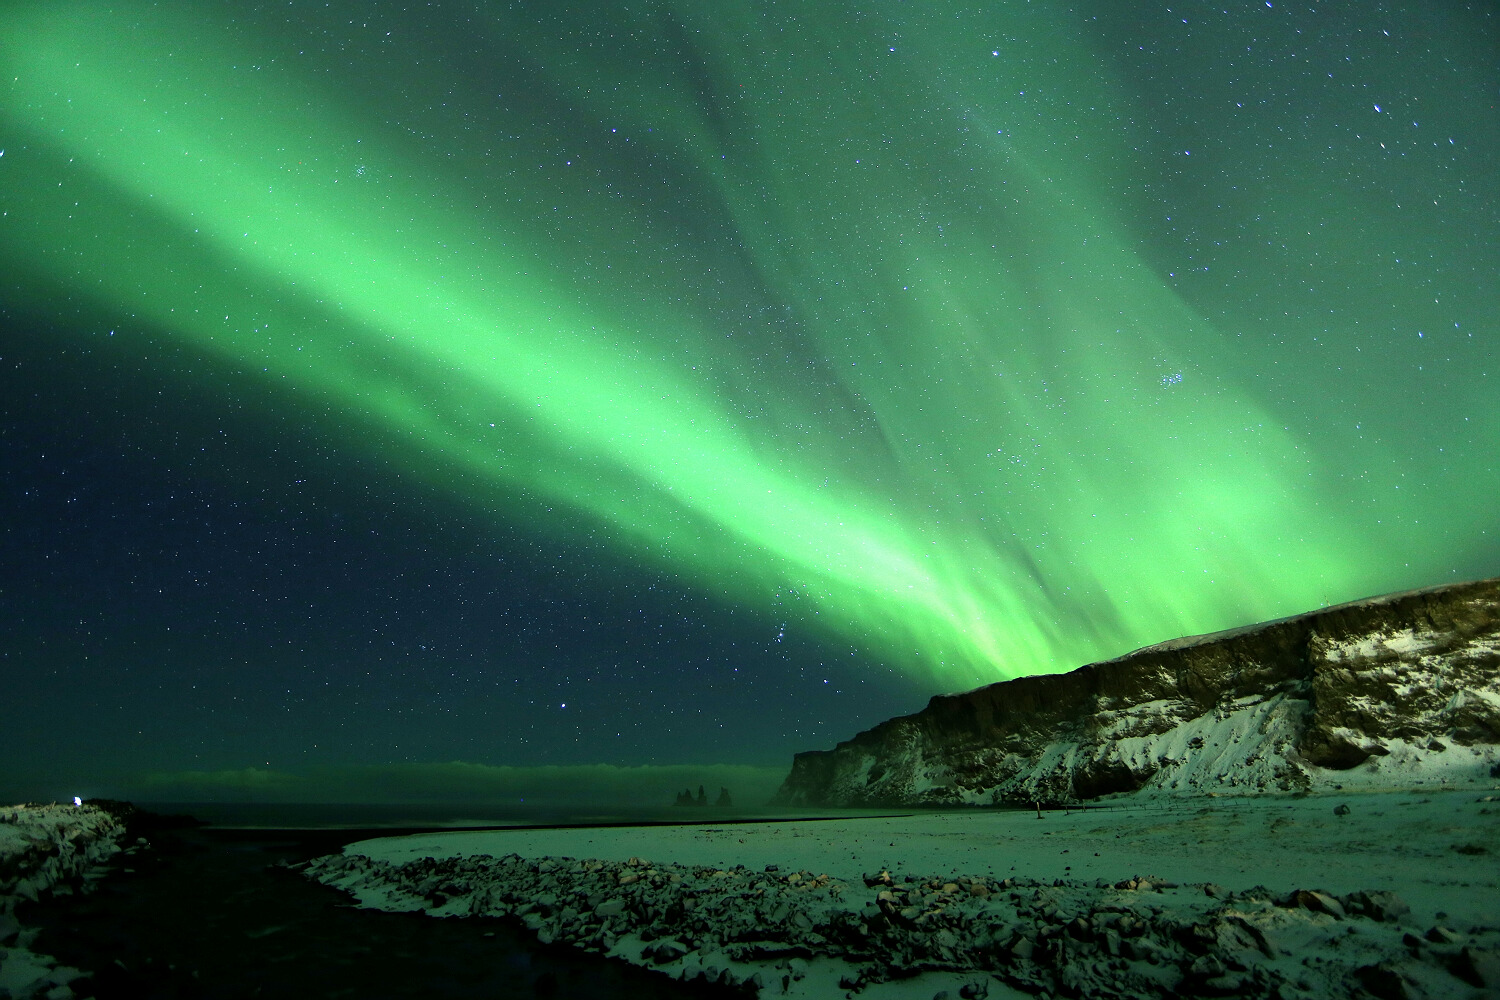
685	798
1382	691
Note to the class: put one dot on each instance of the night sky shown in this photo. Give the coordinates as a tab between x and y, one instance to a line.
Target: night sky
463	389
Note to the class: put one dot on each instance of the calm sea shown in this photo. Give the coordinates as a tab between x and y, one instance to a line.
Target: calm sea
428	815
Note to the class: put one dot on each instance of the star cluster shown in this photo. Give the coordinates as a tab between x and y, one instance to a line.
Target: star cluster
590	383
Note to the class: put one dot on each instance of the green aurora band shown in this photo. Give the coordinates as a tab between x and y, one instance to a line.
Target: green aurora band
877	337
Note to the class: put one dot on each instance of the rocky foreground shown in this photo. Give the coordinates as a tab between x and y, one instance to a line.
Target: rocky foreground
770	932
1387	692
54	849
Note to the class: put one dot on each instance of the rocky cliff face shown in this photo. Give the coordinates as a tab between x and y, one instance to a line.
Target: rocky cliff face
1388	691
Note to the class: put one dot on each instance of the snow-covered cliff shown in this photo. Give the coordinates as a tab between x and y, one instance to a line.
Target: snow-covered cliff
1385	692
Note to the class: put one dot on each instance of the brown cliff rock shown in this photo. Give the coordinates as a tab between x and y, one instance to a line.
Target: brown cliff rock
1385	691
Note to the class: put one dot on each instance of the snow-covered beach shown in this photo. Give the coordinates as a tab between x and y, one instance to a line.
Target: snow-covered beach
1322	895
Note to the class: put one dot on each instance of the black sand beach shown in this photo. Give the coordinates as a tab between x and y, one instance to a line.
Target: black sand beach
213	913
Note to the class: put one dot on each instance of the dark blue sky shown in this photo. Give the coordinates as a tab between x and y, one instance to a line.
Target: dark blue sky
905	351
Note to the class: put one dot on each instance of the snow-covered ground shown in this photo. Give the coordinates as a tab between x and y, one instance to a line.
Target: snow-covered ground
991	901
45	848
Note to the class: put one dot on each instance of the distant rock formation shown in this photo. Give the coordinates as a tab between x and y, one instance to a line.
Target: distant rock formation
686	798
1386	691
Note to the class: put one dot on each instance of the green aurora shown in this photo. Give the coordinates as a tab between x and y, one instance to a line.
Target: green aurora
935	325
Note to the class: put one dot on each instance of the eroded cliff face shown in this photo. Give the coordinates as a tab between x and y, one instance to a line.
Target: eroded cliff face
1387	691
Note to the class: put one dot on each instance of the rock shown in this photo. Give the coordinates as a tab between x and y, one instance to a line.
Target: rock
1143	949
1338	752
1227	985
1207	967
1235	937
1477	968
1341	810
1057	936
1377	905
1318	902
667	951
62	975
1329	688
1383	982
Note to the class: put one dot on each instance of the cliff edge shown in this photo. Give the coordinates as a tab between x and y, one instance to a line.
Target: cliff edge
1388	691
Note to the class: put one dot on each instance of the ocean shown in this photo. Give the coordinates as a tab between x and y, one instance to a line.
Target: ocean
458	815
213	911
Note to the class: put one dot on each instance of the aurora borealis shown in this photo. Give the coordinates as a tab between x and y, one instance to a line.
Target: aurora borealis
955	345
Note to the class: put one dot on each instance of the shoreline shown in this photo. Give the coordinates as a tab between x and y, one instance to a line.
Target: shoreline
211	912
407	830
984	902
1379	891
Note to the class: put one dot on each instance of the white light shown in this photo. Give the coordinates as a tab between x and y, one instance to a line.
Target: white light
77	801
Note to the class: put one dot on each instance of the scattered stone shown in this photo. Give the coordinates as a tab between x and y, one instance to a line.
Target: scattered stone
1383	906
1442	935
1477	967
1383	982
667	951
1318	902
1055	936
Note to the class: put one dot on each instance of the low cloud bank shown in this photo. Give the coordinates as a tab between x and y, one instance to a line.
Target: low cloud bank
595	785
